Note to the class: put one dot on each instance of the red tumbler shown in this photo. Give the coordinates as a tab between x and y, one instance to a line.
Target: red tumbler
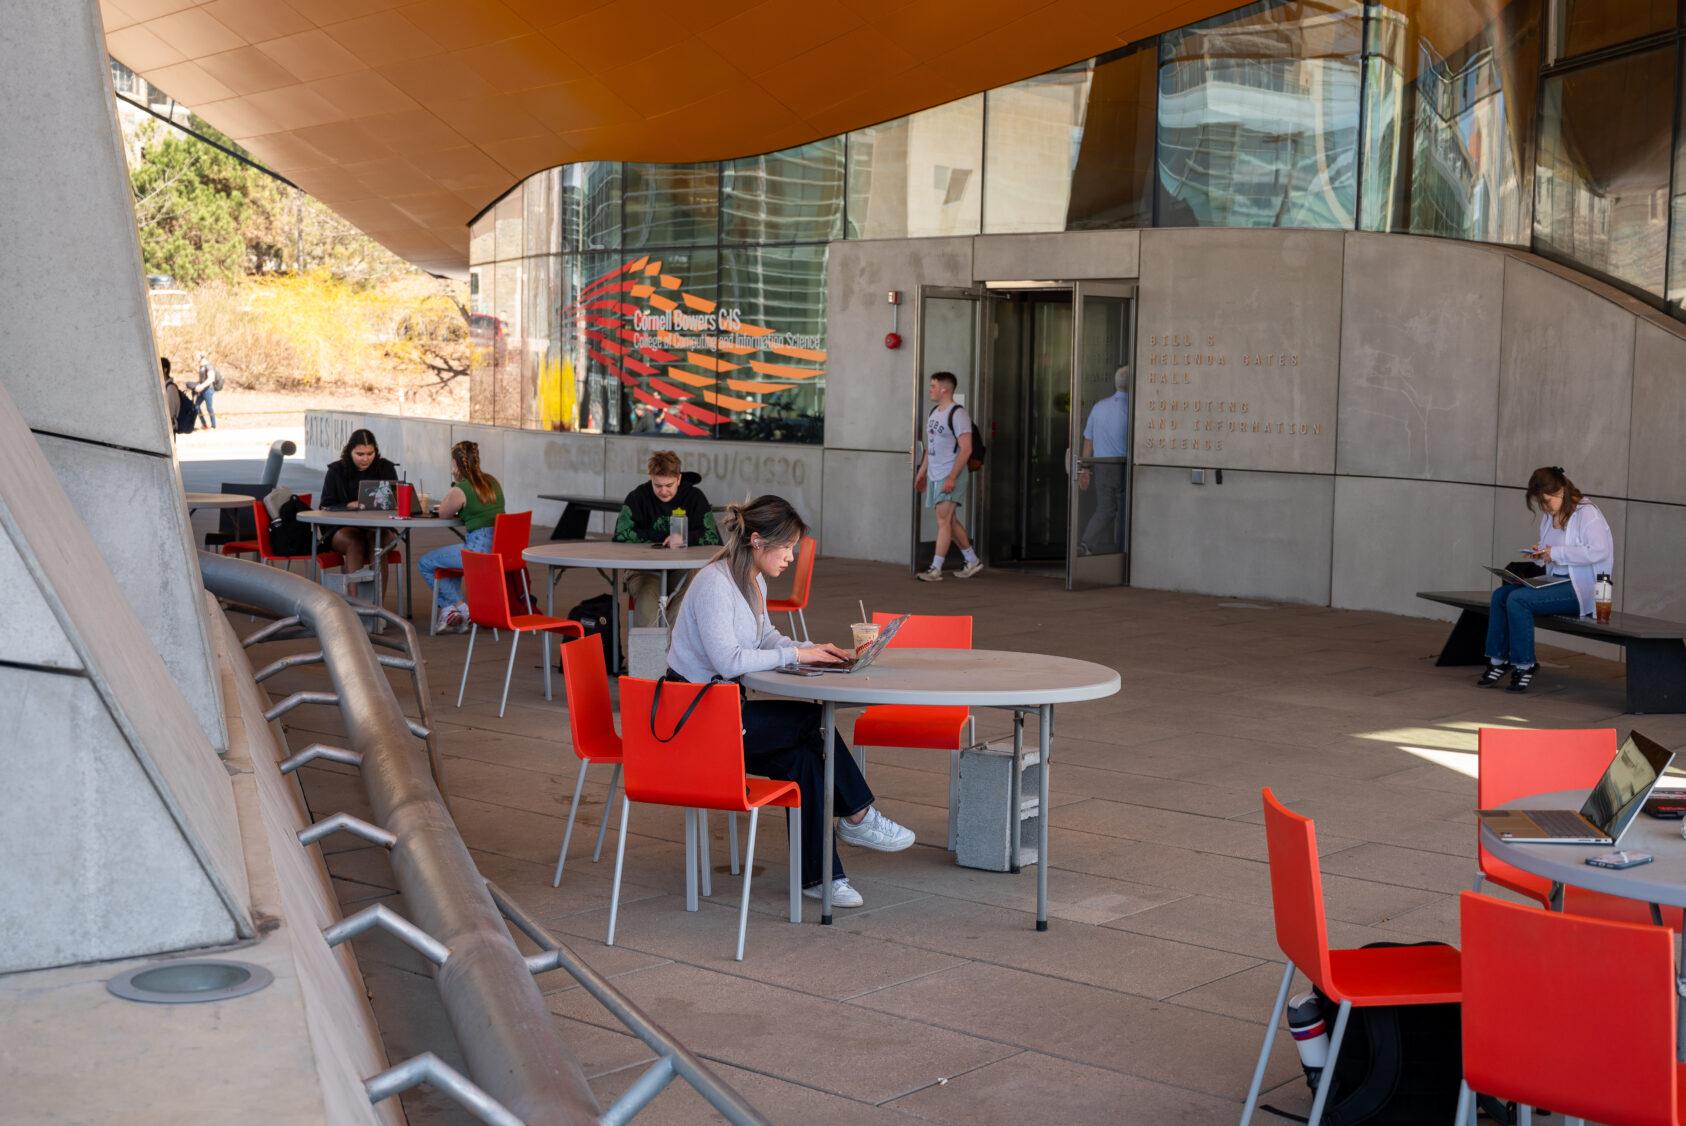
406	498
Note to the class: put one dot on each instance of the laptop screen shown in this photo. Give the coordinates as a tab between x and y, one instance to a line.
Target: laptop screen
1625	785
380	495
884	636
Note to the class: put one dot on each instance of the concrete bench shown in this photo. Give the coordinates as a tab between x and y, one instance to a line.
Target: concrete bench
1656	655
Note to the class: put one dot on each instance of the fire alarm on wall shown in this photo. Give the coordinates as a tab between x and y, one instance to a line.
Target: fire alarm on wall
892	340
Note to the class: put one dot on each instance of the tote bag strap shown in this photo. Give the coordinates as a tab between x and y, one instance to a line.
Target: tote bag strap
685	716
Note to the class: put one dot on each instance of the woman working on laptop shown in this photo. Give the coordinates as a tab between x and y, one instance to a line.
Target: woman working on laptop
360	461
1574	541
723	631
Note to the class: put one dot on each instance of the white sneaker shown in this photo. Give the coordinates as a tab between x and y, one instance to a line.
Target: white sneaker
934	575
876	832
843	893
970	569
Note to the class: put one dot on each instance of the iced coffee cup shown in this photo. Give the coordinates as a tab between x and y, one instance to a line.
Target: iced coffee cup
865	634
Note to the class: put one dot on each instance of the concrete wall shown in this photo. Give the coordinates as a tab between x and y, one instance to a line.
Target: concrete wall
1376	403
76	355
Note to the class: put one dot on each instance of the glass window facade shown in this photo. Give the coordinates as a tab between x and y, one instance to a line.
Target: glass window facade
1449	93
1258	117
690	300
1602	184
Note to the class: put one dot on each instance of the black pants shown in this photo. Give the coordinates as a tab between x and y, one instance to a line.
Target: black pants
782	740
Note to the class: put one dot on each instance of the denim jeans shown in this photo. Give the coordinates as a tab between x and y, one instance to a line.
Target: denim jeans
206	407
447	589
782	740
1510	620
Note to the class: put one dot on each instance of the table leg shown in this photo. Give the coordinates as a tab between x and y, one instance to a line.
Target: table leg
615	622
661	607
375	563
1015	794
1045	737
315	557
405	593
828	723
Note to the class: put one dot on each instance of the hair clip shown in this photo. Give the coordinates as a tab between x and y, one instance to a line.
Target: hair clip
1558	469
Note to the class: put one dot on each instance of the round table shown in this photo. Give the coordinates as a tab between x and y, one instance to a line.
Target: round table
981	678
610	559
379	522
1661	883
217	500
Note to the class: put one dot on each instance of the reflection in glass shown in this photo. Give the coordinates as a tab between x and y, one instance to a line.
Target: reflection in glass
671	204
1033	129
1112	185
1258	117
549	403
1103	395
918	176
589	201
483	238
509	216
586	301
790	196
1601	188
507	345
1449	118
1677	248
1588	25
541	231
484	341
772	345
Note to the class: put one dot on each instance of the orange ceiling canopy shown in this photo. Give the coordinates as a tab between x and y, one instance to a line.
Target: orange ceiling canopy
408	117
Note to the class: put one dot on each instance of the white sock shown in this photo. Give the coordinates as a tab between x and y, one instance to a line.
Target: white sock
969	554
1496	661
937	564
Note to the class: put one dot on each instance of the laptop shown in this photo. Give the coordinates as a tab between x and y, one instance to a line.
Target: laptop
1609	809
380	496
854	664
1535	581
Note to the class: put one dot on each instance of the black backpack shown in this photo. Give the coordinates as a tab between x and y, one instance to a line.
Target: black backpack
187	414
593	614
1399	1064
287	536
975	460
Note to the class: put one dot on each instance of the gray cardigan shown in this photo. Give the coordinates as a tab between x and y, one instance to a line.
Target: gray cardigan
718	634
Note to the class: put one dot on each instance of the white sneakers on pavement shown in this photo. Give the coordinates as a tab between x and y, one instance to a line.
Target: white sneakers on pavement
932	575
876	832
971	569
843	894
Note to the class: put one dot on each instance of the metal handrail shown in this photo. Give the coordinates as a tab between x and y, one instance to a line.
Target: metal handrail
510	1041
678	1058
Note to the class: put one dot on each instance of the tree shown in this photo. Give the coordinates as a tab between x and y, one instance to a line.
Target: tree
190	203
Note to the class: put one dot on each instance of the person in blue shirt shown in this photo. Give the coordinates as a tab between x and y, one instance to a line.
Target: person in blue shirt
1106	435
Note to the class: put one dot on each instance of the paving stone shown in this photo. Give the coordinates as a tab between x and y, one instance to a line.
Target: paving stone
775	1099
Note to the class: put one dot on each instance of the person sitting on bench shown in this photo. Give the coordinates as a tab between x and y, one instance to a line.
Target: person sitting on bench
1575	541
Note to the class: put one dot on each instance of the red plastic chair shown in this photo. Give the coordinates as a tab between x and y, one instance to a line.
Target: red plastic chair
1392	975
936	728
488	605
591	723
512	533
266	549
1571	1013
700	767
1513	764
801	585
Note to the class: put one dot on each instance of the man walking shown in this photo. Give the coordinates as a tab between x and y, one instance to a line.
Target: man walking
1106	444
205	390
948	447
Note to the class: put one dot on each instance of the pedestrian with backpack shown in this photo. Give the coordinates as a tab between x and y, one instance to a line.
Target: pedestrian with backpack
177	405
205	390
952	443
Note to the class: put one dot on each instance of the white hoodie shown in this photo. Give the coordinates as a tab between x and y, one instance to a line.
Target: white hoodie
1587	550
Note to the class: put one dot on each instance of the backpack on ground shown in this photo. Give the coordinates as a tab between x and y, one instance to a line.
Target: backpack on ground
974	460
1399	1064
593	614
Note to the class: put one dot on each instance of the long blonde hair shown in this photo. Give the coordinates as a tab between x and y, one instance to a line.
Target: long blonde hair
771	518
465	456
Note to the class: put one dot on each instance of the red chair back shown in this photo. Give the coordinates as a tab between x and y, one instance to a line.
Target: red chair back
488	604
591	714
512	533
1513	764
701	767
802	578
1296	892
929	631
1568	1012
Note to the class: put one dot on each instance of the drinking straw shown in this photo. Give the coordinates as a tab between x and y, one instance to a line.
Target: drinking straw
863	609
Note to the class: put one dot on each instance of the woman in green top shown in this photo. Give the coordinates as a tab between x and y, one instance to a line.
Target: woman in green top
478	499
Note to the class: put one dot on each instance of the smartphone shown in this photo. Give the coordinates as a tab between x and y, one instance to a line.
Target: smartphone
1622	859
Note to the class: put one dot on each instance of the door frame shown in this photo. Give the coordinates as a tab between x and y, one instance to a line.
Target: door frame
1125	290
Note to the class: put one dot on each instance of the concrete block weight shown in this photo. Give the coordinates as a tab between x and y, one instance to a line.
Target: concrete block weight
990	833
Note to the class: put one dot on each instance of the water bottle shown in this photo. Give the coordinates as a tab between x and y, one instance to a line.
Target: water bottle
680	525
1603	593
1311	1035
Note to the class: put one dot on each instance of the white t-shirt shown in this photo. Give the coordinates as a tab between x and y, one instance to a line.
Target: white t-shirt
940	440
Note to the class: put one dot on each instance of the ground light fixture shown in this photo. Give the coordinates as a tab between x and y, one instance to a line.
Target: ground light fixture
189	981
